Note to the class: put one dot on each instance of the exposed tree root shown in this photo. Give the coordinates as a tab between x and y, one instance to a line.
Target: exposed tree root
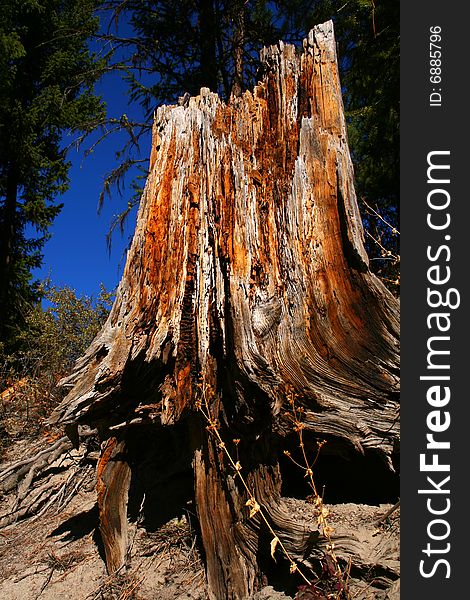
49	478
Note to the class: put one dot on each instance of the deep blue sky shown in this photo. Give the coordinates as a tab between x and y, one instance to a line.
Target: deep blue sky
77	253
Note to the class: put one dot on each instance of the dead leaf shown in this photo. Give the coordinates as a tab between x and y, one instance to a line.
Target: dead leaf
254	506
274	543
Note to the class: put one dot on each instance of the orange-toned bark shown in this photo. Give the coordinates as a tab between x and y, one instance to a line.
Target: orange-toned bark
112	485
247	281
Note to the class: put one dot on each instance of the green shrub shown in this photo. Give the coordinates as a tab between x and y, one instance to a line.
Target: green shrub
57	333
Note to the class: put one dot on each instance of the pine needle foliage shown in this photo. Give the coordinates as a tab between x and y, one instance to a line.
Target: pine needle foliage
47	73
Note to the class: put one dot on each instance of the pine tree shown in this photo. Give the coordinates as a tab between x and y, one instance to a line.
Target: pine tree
47	74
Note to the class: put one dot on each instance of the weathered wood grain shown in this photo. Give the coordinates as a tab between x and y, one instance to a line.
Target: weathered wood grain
247	278
112	486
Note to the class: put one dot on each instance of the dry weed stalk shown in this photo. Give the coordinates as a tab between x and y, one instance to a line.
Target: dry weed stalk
213	427
331	567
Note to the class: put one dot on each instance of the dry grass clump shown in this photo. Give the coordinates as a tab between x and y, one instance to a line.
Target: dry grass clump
120	586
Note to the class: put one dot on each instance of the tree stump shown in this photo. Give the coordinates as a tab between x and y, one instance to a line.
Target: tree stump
246	286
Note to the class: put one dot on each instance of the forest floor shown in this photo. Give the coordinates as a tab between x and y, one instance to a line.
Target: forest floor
58	555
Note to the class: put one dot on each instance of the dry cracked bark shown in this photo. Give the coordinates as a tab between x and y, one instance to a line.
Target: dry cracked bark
246	283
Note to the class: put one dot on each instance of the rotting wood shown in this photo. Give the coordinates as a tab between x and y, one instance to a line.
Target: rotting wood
112	486
246	283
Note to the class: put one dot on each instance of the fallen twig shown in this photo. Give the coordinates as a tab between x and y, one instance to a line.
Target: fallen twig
387	514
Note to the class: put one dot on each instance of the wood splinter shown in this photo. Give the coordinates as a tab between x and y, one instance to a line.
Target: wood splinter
112	487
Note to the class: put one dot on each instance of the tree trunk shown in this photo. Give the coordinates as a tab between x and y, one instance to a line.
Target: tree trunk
208	32
238	46
7	238
246	295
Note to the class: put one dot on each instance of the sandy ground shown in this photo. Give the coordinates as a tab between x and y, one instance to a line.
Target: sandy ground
57	556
